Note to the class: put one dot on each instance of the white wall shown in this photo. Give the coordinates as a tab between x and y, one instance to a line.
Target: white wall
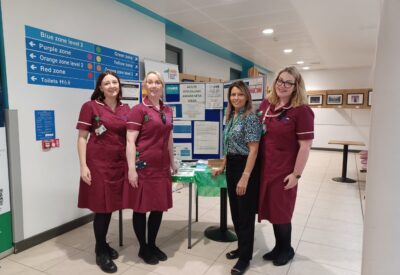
335	123
50	179
381	224
199	62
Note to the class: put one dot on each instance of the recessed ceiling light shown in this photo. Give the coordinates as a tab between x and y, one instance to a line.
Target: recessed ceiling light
300	62
268	31
288	50
306	68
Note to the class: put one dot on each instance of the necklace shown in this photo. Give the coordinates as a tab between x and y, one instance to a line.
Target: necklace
267	115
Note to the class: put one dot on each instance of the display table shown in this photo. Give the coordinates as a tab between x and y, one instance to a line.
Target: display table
345	144
207	185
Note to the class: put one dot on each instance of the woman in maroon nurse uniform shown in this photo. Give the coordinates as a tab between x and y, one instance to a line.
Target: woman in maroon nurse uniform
288	131
103	160
150	159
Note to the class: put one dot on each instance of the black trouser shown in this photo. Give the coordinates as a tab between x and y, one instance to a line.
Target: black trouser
243	208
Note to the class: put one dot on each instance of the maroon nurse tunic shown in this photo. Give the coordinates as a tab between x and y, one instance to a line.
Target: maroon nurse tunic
154	191
278	149
105	156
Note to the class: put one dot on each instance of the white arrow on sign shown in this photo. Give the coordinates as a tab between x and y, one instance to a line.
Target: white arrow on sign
32	56
32	44
33	67
33	78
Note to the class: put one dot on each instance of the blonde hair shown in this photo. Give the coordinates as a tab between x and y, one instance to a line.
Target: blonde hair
244	89
299	90
160	77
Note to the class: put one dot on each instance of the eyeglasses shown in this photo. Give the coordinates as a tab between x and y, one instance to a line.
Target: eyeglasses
163	118
286	84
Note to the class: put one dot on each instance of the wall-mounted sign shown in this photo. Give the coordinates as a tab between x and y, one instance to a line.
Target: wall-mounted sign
56	60
170	72
45	125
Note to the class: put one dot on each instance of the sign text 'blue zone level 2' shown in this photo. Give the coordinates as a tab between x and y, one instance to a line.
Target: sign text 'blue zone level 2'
56	60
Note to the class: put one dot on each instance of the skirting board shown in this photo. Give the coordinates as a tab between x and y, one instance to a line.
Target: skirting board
49	234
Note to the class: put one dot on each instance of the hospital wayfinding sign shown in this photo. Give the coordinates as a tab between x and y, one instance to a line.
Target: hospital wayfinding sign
56	60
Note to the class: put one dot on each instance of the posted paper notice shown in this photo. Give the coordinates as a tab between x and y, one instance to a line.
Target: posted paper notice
206	137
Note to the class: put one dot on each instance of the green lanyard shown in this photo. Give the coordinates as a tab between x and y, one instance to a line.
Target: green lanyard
228	130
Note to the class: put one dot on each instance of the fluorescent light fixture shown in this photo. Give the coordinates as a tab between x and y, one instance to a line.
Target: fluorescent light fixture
288	50
306	68
300	62
268	31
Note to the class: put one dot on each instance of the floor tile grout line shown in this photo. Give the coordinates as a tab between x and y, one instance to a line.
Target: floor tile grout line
332	246
309	214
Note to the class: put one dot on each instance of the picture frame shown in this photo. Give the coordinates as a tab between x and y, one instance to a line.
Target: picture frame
314	99
355	99
370	98
334	99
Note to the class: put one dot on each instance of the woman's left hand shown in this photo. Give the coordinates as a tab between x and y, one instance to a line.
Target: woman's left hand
291	180
174	168
242	185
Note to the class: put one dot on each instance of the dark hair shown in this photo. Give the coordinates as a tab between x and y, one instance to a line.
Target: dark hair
244	89
97	93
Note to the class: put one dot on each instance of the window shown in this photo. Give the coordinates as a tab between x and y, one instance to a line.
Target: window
173	55
235	74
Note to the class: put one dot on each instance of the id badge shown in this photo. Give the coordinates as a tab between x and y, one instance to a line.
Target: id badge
264	129
100	130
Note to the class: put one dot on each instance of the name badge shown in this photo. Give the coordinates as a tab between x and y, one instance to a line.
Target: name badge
100	130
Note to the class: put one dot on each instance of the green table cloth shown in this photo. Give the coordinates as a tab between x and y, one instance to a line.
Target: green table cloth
207	185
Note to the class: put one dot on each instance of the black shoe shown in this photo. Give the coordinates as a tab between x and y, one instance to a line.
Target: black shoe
272	255
234	254
284	257
240	267
112	252
105	263
147	256
161	256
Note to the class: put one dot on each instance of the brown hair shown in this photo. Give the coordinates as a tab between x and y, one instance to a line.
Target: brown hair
244	89
299	90
97	93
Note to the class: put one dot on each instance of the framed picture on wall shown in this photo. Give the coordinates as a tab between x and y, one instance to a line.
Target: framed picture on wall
369	97
315	99
355	99
334	99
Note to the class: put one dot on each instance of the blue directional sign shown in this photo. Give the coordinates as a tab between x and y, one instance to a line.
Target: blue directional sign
58	60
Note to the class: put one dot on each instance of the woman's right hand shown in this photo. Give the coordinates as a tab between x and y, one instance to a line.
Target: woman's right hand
85	175
216	172
133	178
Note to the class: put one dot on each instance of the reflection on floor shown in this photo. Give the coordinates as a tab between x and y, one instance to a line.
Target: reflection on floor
327	235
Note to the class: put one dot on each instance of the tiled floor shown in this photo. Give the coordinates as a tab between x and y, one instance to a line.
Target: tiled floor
327	235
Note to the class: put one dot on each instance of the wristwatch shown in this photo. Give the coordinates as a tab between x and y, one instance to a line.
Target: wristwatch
297	176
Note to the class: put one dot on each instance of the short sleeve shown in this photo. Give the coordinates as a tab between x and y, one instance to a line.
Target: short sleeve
305	123
85	117
135	118
252	128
